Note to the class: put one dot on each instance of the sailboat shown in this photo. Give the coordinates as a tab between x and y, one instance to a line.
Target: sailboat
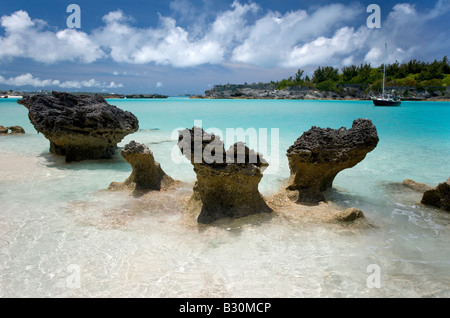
386	100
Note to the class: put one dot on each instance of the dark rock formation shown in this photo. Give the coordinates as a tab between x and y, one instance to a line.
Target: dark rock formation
11	130
439	196
227	182
146	96
320	154
147	174
79	127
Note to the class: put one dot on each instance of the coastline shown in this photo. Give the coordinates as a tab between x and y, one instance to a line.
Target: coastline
343	92
325	99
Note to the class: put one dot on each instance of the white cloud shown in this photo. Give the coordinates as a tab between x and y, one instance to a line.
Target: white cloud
327	51
172	47
159	84
277	40
26	38
408	33
115	85
244	35
29	80
170	44
17	22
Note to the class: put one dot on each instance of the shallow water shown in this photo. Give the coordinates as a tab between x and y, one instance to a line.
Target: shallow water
63	235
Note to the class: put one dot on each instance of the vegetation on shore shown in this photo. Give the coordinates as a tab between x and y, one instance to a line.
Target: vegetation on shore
417	74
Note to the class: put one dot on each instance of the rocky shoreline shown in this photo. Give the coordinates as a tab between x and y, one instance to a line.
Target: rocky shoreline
343	92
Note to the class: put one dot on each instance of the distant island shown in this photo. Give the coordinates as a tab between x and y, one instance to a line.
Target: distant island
413	81
20	94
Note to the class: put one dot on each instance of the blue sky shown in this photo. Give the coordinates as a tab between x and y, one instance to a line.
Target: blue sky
186	46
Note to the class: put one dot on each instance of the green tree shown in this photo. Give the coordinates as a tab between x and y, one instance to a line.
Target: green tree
348	73
327	86
283	84
446	65
299	75
322	74
414	67
364	72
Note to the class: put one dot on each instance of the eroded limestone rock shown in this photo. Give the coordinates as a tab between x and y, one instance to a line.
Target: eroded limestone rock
320	154
349	215
14	130
439	196
416	186
227	181
147	174
79	127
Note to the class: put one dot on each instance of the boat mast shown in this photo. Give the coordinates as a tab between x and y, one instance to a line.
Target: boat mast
384	66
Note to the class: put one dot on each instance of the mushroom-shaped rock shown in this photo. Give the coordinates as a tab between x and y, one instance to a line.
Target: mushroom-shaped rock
439	196
320	154
79	127
227	181
147	174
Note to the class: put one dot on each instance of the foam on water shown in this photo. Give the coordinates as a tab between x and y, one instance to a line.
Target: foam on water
57	220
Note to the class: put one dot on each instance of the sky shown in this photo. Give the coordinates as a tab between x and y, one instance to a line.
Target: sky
188	46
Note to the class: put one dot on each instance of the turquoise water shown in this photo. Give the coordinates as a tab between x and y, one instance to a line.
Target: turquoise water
54	214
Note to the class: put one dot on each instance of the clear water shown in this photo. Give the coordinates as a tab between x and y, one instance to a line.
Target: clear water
63	235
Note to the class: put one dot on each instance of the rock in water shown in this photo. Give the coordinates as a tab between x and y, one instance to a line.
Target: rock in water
227	182
16	130
349	215
439	196
320	154
416	186
11	130
147	174
79	127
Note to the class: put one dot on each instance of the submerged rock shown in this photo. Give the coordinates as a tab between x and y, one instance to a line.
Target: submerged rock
79	127
227	181
416	186
11	130
439	196
320	154
147	174
349	215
